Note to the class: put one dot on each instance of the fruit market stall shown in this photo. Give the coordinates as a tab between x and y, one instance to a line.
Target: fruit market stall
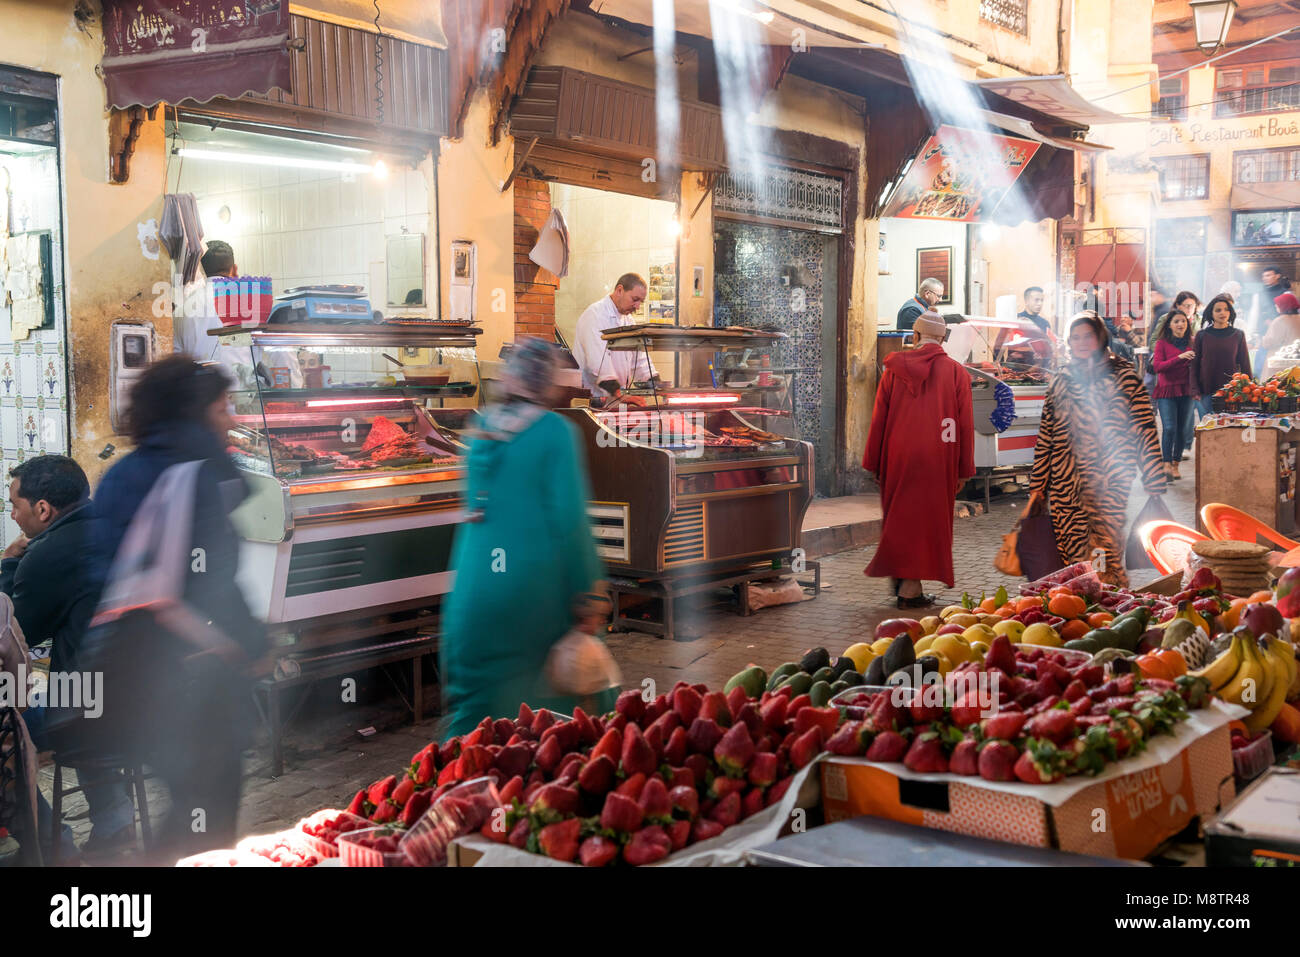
1246	451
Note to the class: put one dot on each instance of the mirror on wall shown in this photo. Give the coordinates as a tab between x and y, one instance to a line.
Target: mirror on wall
405	257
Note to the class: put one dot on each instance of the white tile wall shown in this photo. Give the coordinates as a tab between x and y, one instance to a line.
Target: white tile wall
308	226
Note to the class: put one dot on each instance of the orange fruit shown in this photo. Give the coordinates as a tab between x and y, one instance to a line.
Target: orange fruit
1006	611
988	605
1152	667
1028	602
1100	619
1074	629
1067	605
1232	616
1173	660
1264	596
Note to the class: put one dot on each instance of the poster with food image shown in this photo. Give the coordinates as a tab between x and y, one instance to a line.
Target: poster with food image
960	175
661	290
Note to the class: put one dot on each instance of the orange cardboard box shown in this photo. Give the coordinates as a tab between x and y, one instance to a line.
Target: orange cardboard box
1127	816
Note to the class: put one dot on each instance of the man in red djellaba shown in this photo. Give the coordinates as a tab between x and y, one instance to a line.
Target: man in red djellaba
921	451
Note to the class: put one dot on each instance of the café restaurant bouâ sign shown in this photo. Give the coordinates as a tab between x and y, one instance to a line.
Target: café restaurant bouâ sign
1274	126
173	50
960	175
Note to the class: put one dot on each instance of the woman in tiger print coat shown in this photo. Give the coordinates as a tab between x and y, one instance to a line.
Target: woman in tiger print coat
1097	429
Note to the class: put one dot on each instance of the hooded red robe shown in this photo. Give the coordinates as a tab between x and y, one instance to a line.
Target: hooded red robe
921	448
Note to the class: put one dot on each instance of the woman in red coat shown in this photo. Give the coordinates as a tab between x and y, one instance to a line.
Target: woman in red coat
921	448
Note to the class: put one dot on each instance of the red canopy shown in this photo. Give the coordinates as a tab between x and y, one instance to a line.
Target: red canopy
174	50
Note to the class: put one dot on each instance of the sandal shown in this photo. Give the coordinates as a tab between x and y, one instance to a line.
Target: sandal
920	601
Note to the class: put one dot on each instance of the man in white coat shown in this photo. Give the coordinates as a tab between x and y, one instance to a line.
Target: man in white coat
606	373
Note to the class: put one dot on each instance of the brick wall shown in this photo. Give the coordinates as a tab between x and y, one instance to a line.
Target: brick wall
534	286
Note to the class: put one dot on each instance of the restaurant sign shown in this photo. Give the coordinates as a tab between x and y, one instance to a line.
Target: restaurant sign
174	50
960	175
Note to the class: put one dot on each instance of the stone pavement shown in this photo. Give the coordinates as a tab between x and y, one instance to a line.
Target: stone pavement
327	760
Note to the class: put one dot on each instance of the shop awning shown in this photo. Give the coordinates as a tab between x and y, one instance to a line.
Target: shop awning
155	52
1265	195
1023	127
1054	96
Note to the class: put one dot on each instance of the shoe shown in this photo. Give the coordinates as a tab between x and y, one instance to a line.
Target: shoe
920	601
1187	454
1175	471
99	843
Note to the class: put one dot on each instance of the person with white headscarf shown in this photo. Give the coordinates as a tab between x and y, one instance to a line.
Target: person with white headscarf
525	560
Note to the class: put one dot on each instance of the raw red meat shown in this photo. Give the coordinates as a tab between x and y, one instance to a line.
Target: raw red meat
383	430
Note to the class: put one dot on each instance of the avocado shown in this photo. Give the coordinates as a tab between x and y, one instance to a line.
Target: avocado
753	679
1084	644
799	683
826	674
903	677
851	678
819	694
789	668
875	675
840	666
1104	637
929	665
899	654
838	686
1128	633
815	660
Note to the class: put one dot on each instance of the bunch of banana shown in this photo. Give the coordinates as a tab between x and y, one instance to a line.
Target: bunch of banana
1279	659
1254	673
1224	667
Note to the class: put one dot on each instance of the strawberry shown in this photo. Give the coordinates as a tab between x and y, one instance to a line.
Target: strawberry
379	791
617	721
493	830
885	715
785	691
597	776
620	813
513	788
502	730
1001	655
806	747
632	786
638	756
699	765
715	708
686	704
967	710
827	719
631	705
520	833
704	828
478	736
1081	706
402	793
675	749
358	805
1060	674
666	723
681	778
679	833
1055	725
542	720
610	745
560	841
965	757
1005	725
997	761
1045	704
848	740
474	760
926	754
553	802
387	811
751	803
569	769
736	699
723	785
525	716
515	738
750	717
777	791
763	769
703	735
647	845
924	707
727	811
685	802
597	851
418	803
796	705
1126	683
549	754
773	712
654	801
1030	771
887	746
426	770
654	710
735	750
513	759
1090	675
586	729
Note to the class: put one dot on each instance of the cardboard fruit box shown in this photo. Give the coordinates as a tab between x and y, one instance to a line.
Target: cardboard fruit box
1126	812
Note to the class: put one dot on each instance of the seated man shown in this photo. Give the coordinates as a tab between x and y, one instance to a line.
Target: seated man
54	598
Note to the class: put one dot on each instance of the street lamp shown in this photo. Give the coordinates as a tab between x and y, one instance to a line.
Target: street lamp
1212	19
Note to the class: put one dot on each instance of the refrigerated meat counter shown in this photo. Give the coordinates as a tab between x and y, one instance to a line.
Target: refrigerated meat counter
351	438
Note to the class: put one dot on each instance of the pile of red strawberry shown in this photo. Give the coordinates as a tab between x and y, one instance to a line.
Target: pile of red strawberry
327	825
288	849
634	785
1051	720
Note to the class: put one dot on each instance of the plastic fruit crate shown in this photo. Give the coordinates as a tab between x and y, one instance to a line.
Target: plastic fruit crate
1255	758
323	847
353	854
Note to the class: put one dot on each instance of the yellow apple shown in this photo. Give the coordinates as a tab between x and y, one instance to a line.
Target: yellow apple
1011	628
979	648
1041	633
952	647
861	655
923	644
979	633
930	624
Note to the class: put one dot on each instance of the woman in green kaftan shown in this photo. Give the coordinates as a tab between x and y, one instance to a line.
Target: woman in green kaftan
525	561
